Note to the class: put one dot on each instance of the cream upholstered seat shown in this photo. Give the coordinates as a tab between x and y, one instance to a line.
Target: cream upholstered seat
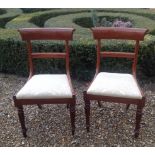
46	86
115	85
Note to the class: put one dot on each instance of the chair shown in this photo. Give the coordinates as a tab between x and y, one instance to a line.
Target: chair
46	88
116	87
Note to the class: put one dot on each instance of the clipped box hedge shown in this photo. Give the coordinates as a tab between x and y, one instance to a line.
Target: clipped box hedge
13	53
7	15
82	58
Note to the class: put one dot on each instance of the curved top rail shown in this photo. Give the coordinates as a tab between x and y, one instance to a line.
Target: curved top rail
46	33
119	33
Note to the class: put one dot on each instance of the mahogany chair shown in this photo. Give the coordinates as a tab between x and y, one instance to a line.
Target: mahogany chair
46	88
116	87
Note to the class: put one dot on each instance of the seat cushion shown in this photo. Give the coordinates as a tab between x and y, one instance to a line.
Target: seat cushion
46	86
115	85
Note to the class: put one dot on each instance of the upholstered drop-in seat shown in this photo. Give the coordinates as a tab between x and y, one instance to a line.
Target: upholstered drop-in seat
115	85
46	86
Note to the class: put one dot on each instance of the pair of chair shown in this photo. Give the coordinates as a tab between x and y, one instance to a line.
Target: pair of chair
57	88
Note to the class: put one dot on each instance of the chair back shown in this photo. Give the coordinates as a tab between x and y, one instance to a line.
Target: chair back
136	34
30	34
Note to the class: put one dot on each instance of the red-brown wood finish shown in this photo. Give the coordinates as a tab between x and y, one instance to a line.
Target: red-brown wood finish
117	54
49	55
118	33
46	33
136	34
29	34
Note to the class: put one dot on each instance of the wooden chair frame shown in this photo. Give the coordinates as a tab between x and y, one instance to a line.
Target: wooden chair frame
123	34
29	34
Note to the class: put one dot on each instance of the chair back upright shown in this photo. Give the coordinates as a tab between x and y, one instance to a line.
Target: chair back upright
136	34
30	34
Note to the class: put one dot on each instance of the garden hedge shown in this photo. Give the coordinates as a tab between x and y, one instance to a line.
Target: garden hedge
13	54
7	15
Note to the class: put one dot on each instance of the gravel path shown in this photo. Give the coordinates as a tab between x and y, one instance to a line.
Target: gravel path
110	125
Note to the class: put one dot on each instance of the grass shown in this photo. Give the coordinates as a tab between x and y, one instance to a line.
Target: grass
82	32
17	18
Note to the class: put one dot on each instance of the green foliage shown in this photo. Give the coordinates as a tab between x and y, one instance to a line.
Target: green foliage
141	12
13	54
41	19
2	11
88	22
4	21
85	22
31	10
82	58
8	15
72	20
148	59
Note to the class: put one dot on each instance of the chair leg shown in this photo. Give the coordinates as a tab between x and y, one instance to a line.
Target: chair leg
138	120
39	106
127	107
72	115
99	104
22	119
87	111
68	105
